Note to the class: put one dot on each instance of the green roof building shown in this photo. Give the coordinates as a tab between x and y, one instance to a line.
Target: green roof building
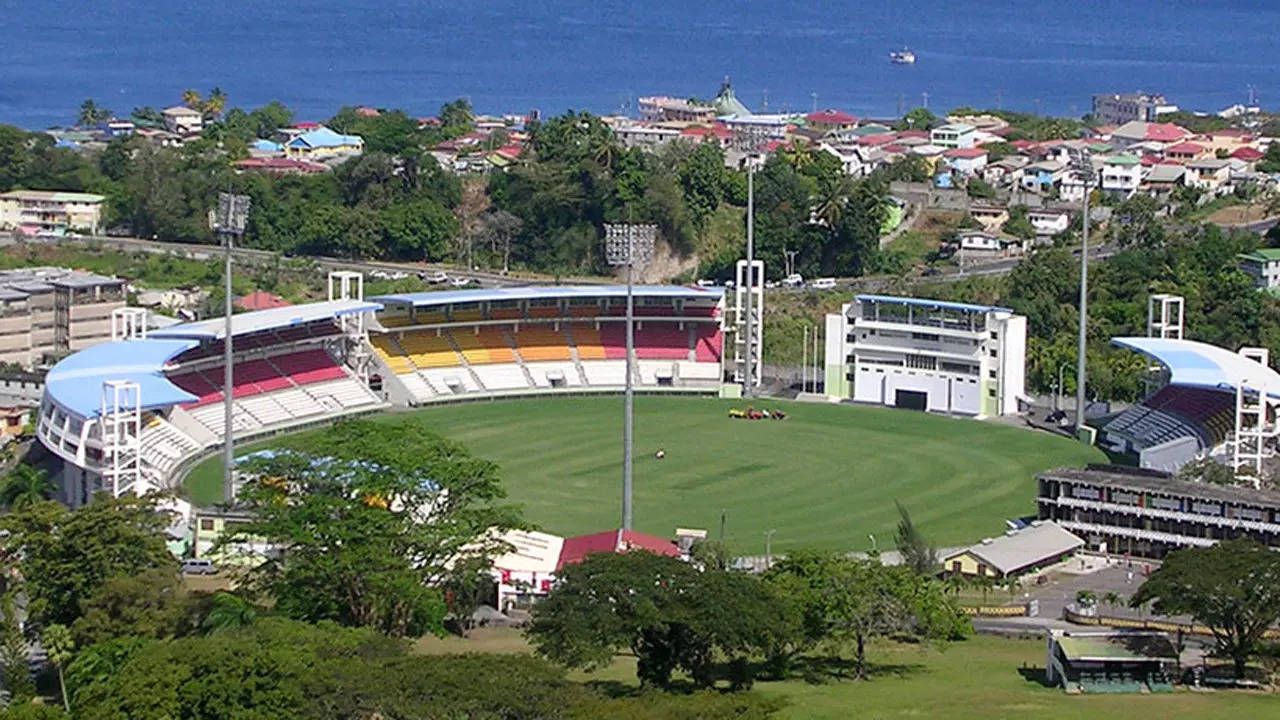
1263	265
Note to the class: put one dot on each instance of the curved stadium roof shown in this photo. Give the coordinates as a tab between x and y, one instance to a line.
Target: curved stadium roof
1202	365
530	292
75	383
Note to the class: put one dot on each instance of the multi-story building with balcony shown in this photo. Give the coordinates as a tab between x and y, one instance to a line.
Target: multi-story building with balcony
47	313
925	354
1149	514
46	211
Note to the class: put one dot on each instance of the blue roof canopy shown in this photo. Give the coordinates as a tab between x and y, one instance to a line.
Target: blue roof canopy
75	383
531	292
273	319
925	302
1199	364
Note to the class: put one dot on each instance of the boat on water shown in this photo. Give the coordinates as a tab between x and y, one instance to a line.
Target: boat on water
902	57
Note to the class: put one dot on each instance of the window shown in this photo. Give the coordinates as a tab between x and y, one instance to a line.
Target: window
991	392
992	352
995	335
991	374
206	523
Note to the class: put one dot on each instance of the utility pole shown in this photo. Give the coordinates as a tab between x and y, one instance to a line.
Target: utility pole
229	222
750	140
804	359
791	261
626	245
1083	166
768	548
925	97
814	95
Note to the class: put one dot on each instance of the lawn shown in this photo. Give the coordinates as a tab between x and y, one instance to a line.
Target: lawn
826	476
984	678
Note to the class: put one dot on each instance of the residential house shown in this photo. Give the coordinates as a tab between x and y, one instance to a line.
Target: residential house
981	123
1043	176
1249	156
1121	175
981	244
661	107
1263	265
1005	171
990	217
260	300
1185	151
831	121
117	128
645	136
717	133
853	158
1162	179
1016	553
954	135
265	148
966	161
182	120
50	211
1121	108
280	166
1049	221
1212	175
1139	132
322	144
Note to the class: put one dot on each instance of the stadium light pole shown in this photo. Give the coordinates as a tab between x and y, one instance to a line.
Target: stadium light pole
229	223
1082	164
626	245
749	139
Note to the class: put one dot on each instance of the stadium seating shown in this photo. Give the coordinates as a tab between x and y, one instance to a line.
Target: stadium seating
386	348
708	346
502	377
489	345
540	343
589	343
426	349
1172	412
162	445
657	342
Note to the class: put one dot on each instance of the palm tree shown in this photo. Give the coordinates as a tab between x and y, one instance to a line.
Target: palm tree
60	647
215	103
228	612
1111	599
24	486
833	197
192	99
91	113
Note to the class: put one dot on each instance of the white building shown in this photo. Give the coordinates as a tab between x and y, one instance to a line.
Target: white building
1121	175
929	355
1209	174
1263	265
182	120
39	211
1049	222
966	161
644	135
976	244
954	135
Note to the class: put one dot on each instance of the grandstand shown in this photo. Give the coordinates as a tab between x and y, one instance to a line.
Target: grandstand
1207	401
443	346
129	415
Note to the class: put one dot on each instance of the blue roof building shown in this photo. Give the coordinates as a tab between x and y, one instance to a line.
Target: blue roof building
323	143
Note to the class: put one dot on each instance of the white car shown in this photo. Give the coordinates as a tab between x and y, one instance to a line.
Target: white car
460	281
793	280
823	284
437	277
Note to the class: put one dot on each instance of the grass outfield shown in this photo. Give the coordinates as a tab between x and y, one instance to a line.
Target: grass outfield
826	476
978	679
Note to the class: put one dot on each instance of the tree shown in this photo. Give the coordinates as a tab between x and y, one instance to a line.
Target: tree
917	119
60	648
91	114
457	117
844	600
228	611
149	604
703	180
418	230
670	615
14	657
1207	470
24	486
917	553
67	555
1233	587
375	517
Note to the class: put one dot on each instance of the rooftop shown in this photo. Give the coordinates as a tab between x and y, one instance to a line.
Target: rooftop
1262	255
1026	547
1124	160
282	317
958	128
1203	365
576	549
1116	645
965	153
530	292
53	196
926	302
831	117
75	383
1149	481
323	137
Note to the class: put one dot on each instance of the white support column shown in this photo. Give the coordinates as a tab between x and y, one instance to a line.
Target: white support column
349	285
740	350
1251	428
1165	314
129	323
120	424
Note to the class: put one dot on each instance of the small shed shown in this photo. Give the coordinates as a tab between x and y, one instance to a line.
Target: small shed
1111	661
1018	552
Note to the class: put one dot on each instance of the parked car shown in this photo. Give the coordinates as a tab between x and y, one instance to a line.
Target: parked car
706	283
823	284
794	280
198	566
460	281
437	277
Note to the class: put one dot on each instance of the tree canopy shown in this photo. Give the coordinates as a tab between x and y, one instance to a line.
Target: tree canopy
1233	587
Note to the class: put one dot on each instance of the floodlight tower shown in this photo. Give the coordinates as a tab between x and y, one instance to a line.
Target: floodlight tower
228	224
1082	165
749	139
628	245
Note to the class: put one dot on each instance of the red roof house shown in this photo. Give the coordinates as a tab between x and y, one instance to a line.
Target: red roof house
877	140
576	549
261	300
1248	154
830	119
1184	151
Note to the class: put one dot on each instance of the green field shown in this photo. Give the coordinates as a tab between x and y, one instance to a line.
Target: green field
982	678
826	476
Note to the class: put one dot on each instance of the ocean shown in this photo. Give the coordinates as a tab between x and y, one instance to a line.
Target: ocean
554	55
